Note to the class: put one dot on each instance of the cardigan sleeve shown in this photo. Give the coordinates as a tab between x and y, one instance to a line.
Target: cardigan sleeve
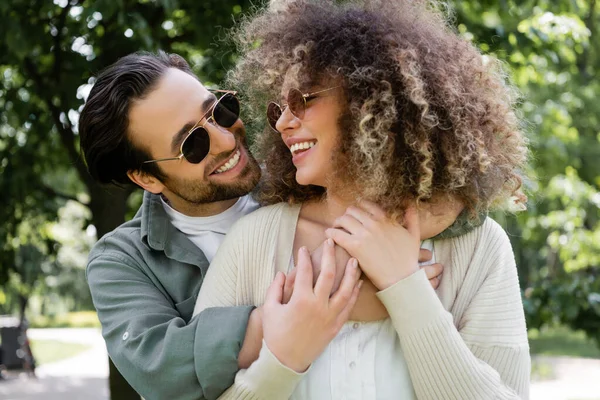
267	377
486	354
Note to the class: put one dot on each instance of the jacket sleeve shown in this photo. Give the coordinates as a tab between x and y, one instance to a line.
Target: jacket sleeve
160	355
484	355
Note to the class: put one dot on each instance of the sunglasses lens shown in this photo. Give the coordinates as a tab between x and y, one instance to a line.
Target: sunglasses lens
196	146
296	103
273	114
227	111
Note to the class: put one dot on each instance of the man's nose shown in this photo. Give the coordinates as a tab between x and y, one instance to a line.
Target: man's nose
221	139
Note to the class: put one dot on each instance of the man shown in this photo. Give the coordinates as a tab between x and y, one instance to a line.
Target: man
149	121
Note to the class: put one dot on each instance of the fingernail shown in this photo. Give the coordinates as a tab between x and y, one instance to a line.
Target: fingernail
330	242
354	263
360	283
304	249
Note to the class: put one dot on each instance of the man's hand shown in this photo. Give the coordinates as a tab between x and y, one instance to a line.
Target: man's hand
298	332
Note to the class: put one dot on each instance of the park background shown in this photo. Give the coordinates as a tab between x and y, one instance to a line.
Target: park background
51	212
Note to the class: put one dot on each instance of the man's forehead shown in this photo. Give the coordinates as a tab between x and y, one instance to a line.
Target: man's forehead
178	99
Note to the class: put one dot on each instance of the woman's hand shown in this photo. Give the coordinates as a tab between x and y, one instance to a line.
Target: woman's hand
298	332
387	251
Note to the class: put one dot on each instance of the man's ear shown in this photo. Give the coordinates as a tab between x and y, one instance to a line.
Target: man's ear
146	181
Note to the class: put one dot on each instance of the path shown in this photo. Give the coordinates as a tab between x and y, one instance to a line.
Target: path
85	375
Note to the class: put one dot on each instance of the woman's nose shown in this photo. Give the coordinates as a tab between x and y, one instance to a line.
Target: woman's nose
287	121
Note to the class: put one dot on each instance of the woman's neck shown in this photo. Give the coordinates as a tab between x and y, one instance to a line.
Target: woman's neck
326	210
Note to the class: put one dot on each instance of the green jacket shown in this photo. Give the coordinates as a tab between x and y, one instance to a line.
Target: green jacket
144	277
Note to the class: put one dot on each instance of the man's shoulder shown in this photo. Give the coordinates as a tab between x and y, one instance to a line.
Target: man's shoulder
122	242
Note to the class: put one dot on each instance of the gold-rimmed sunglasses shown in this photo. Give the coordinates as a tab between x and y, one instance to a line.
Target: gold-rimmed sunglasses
296	101
196	145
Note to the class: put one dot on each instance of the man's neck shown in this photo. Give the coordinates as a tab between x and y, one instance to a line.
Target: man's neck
199	210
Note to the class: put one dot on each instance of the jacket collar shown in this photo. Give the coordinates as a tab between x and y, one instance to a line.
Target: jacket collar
159	234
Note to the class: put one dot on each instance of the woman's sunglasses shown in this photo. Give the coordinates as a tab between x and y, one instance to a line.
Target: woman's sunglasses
196	145
296	101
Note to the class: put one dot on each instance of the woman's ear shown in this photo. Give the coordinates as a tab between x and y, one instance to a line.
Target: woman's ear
146	181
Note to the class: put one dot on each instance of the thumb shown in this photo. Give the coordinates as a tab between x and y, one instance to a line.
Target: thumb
275	291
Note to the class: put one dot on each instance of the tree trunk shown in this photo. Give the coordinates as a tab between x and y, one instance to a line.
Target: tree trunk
23	300
108	206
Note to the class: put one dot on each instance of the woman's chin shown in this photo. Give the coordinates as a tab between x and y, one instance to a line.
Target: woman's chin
306	179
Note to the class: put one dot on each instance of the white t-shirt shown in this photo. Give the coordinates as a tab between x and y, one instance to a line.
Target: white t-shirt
208	232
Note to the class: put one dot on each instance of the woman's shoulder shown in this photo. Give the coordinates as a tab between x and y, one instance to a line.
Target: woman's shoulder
266	213
262	219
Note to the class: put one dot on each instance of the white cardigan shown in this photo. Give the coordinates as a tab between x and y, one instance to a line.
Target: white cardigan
466	340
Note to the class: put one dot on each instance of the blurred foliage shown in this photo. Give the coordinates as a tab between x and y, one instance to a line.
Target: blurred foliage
552	51
52	49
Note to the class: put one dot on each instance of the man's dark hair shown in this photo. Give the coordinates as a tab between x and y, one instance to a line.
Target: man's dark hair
104	120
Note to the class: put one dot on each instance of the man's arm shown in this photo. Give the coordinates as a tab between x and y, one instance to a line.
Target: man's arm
160	355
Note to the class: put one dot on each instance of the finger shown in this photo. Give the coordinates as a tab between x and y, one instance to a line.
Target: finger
341	237
327	275
342	295
425	255
433	270
345	313
349	223
361	215
288	288
376	212
435	282
275	291
411	222
304	276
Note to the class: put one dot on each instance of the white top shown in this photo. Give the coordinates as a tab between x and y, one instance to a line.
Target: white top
363	362
208	232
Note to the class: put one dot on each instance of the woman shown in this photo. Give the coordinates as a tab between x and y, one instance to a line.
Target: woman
382	103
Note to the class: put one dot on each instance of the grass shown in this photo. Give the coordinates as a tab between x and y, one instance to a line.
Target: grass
561	341
48	351
79	319
558	341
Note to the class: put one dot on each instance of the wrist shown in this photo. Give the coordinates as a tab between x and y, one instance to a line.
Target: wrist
252	340
392	279
286	355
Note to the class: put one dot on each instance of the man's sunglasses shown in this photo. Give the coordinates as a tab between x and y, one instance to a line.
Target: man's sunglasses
196	145
296	101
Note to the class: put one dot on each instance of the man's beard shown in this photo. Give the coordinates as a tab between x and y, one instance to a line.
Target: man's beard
209	192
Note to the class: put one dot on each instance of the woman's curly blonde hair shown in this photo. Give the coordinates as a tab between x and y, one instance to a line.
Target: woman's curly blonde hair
426	115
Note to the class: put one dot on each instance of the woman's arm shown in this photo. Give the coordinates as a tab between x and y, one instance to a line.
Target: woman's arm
487	356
